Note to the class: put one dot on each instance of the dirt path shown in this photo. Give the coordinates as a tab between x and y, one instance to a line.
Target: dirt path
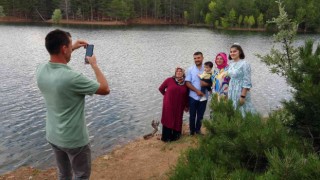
140	159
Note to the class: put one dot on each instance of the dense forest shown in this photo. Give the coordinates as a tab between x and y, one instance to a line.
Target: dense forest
216	13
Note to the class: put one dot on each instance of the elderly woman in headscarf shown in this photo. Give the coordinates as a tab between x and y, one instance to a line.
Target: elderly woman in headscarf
175	101
219	83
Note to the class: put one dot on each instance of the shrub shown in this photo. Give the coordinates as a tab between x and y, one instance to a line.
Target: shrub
237	147
56	16
2	12
305	105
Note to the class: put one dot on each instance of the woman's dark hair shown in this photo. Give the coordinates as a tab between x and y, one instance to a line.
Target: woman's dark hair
55	39
239	48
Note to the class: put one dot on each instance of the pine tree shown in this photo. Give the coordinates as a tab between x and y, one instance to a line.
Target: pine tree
301	68
2	12
282	61
305	105
57	16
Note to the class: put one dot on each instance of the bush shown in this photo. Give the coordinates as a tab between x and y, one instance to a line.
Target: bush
290	164
305	105
56	16
2	12
249	147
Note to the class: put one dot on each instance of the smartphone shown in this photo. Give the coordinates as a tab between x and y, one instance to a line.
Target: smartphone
89	52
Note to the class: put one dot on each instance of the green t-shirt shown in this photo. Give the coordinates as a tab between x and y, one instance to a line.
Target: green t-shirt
64	92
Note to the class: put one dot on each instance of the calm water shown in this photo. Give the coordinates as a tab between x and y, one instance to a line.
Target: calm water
135	61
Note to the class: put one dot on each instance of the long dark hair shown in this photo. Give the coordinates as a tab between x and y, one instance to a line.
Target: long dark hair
239	48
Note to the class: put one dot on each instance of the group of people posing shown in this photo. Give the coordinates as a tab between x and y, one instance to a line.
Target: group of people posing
64	91
190	91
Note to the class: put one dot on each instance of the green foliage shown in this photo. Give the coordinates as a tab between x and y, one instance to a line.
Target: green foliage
301	68
305	105
121	9
311	16
282	61
301	14
224	22
260	20
246	21
186	15
79	14
232	18
284	116
240	19
212	6
290	164
57	16
304	12
237	147
2	12
251	21
216	23
209	18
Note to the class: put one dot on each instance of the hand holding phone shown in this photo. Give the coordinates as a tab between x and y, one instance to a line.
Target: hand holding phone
89	52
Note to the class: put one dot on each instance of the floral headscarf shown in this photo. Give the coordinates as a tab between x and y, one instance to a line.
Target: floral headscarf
179	81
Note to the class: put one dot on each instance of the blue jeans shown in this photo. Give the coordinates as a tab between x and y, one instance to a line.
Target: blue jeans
196	109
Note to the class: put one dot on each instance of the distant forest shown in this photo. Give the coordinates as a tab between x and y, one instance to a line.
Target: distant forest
216	13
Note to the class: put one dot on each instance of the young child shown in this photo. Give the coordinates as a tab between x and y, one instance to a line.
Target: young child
206	77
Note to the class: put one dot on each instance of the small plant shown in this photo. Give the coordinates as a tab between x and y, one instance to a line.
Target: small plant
56	16
2	12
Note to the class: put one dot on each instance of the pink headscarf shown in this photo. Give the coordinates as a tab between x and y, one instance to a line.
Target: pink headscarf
225	60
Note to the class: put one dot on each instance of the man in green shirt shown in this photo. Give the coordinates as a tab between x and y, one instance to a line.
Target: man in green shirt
64	93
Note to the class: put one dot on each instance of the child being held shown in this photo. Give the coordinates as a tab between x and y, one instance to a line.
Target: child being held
206	77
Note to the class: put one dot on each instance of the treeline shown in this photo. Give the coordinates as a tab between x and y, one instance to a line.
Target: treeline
217	13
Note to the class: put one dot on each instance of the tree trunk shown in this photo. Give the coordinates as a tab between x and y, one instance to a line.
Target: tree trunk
66	6
91	13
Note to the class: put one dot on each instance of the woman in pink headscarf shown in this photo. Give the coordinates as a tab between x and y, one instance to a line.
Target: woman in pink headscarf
220	84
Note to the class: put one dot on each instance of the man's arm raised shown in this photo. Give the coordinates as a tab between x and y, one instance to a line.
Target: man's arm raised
104	87
78	44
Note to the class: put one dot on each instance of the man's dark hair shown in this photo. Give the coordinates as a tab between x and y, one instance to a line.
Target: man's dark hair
198	53
208	63
239	48
55	39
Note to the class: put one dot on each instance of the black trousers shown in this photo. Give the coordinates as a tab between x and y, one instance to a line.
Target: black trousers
170	134
208	88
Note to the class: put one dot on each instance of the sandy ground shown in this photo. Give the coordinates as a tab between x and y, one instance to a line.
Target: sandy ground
140	159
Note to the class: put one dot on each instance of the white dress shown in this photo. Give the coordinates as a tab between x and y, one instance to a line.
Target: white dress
240	74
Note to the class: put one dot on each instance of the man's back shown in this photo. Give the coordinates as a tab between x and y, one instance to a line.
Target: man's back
64	91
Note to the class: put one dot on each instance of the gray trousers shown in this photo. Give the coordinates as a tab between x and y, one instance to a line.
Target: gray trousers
77	160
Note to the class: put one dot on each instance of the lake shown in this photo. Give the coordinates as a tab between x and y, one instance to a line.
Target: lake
135	60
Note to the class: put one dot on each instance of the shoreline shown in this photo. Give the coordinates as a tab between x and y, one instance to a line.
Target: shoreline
138	159
136	21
